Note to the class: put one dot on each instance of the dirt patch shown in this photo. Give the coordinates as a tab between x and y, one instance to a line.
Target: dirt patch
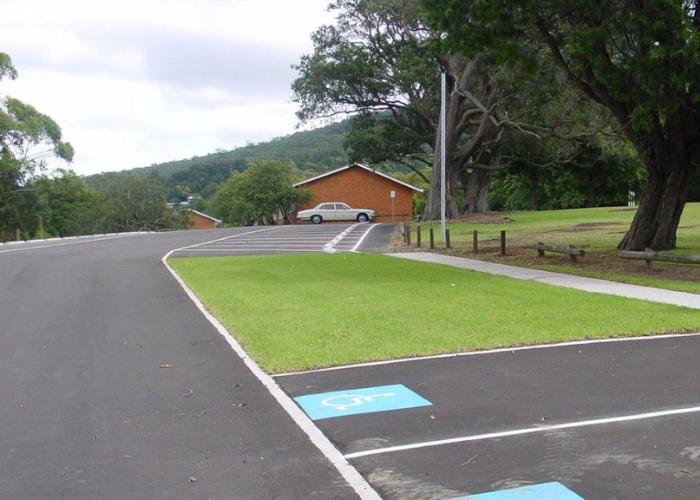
593	225
587	226
487	218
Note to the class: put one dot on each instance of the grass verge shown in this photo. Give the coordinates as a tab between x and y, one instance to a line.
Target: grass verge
307	311
596	230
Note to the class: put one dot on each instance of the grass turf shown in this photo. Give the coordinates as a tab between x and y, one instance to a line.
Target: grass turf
305	311
597	230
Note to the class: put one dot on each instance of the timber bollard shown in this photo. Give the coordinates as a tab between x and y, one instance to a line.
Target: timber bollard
475	238
408	235
432	239
418	235
447	238
503	243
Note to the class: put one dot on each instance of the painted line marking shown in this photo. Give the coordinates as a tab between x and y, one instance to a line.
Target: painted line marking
359	401
353	478
547	491
522	432
347	401
500	350
21	246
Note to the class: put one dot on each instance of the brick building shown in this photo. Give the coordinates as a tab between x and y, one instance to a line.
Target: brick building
198	220
362	187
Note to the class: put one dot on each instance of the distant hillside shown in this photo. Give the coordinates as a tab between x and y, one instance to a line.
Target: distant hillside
315	151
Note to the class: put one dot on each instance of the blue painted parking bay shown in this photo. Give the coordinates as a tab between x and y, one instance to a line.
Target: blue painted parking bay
359	401
547	491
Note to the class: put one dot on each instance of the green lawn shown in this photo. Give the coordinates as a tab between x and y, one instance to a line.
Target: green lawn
596	230
306	311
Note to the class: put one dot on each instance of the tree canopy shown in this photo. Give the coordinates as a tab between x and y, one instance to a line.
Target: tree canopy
639	59
27	139
257	194
381	61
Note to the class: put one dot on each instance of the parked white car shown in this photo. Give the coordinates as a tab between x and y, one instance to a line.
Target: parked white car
335	211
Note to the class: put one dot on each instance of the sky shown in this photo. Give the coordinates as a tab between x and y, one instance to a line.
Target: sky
137	82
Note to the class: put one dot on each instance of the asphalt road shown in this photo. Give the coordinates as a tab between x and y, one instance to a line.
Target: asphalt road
608	420
113	385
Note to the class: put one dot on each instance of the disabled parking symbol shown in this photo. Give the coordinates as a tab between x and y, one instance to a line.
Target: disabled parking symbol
547	491
358	401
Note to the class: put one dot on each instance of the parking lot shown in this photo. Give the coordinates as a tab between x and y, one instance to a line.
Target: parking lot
272	240
588	420
591	420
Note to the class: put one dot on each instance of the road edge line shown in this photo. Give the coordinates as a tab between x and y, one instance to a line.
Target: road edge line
354	479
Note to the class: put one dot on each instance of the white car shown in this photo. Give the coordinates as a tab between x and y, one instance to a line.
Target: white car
334	211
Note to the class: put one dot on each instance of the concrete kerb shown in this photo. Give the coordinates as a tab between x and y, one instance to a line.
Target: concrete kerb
68	238
683	299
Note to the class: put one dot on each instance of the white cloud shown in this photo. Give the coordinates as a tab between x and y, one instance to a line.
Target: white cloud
138	82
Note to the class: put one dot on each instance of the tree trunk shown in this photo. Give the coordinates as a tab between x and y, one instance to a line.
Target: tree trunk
591	190
433	207
477	192
660	207
535	190
461	116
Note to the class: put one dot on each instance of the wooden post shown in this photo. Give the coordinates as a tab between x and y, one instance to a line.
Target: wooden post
18	235
408	234
418	235
432	239
447	238
476	241
503	243
405	233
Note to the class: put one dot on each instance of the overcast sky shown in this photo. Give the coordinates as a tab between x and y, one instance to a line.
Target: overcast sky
137	82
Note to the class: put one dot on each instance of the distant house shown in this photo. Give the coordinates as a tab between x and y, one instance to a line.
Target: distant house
360	186
199	220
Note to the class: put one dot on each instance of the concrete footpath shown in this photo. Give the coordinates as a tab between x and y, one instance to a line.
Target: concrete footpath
566	280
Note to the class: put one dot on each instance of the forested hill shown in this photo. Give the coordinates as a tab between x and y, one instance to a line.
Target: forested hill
315	151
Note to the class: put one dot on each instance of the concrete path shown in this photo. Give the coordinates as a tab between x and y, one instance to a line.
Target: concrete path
570	281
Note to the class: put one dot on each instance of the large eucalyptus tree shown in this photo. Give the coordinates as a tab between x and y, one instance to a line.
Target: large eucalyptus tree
27	139
638	58
381	62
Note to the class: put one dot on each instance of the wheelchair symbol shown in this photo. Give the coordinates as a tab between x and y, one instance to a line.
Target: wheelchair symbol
346	401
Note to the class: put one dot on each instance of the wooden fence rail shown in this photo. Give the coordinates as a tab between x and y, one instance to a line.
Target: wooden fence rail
649	256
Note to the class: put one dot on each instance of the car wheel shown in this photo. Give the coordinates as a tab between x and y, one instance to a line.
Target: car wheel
316	219
362	218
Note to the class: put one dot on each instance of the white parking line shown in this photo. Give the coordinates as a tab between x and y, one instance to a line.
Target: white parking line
490	351
284	239
528	430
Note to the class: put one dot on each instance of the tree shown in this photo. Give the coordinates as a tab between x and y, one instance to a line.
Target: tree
640	59
377	62
65	204
255	195
27	139
133	203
